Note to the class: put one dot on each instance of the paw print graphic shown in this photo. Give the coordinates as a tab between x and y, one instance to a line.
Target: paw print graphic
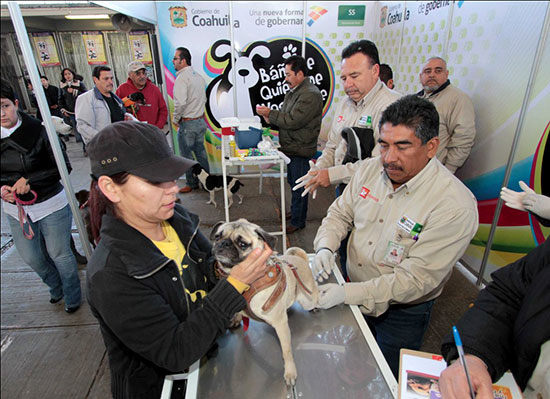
289	51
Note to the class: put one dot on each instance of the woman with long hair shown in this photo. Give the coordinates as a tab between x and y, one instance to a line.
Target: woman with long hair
71	86
151	280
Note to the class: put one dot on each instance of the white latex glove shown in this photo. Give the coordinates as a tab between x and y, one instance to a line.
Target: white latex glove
331	295
538	204
302	181
323	263
513	199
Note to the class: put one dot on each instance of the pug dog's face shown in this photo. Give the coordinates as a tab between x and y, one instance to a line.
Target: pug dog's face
234	241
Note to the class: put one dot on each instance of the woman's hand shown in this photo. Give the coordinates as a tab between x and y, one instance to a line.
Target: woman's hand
253	267
21	186
453	383
7	195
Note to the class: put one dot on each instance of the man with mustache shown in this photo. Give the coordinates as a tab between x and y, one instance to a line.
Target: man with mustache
99	107
457	129
366	98
410	221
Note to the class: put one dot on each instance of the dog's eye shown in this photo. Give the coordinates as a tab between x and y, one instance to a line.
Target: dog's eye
217	237
243	245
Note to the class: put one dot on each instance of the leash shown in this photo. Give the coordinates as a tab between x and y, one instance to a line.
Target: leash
23	215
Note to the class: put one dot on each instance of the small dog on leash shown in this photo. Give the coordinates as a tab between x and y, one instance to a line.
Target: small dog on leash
288	279
213	183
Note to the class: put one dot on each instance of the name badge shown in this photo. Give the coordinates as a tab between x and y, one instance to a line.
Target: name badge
410	226
394	253
365	120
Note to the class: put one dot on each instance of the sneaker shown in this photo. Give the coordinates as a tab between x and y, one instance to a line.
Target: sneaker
52	300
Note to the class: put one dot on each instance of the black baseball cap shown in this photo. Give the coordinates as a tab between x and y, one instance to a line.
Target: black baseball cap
136	148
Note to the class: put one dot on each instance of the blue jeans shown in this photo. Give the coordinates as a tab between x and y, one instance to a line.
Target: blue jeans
191	142
49	254
297	168
402	326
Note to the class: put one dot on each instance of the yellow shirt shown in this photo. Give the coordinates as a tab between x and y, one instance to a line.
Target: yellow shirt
173	249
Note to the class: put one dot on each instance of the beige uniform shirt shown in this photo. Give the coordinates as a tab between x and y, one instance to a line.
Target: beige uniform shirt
386	263
350	114
457	129
189	94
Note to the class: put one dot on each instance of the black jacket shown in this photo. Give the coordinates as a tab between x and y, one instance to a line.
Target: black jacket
510	319
28	153
149	325
67	101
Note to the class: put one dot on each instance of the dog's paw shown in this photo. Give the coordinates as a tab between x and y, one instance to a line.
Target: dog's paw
290	374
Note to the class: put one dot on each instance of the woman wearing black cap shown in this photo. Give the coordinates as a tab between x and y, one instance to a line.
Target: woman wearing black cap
151	281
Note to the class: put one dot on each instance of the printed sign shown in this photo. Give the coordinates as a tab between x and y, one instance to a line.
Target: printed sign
139	44
95	50
45	47
261	76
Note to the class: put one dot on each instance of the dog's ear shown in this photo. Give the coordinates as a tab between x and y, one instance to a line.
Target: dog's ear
196	169
215	230
270	239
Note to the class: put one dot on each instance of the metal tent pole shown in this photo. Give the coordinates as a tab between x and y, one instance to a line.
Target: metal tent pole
23	37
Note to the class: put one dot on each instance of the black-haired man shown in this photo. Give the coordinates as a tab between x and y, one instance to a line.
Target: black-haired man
299	123
410	221
386	75
189	102
99	107
366	98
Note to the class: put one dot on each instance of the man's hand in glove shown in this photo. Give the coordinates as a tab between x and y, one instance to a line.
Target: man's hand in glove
307	181
323	262
528	200
331	295
537	204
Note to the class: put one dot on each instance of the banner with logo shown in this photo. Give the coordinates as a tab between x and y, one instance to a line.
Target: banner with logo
95	50
45	47
260	51
139	46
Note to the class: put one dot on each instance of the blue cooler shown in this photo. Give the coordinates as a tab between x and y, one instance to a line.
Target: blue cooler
248	138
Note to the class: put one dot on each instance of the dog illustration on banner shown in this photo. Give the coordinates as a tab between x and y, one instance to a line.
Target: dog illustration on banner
220	91
259	77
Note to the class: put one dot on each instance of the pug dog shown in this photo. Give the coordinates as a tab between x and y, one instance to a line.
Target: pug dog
287	280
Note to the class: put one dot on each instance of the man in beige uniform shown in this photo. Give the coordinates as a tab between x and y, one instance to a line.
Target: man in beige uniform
189	102
366	98
457	129
410	221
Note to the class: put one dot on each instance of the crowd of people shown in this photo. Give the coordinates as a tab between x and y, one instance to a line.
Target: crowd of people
400	219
